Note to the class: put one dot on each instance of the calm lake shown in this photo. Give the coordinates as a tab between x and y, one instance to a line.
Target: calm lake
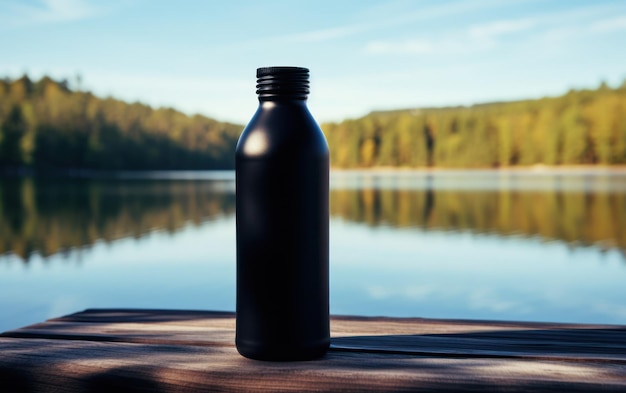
530	245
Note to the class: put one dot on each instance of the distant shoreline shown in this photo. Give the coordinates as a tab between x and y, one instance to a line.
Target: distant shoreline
228	174
532	169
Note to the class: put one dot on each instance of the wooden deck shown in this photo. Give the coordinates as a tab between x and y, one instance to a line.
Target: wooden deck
174	351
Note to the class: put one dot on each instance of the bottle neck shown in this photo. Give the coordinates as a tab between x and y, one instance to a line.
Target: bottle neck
268	101
280	100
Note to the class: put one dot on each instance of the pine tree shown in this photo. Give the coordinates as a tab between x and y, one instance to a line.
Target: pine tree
13	130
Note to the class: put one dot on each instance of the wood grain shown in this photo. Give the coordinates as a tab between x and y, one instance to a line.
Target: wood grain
175	351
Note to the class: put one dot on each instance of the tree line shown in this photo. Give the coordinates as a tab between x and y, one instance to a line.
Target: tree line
45	124
580	127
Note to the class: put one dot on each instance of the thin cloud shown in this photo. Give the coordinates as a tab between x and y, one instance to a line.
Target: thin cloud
476	38
415	47
18	14
407	18
608	25
501	27
571	32
328	34
454	45
479	38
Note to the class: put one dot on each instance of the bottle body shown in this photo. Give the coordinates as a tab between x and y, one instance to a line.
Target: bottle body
282	167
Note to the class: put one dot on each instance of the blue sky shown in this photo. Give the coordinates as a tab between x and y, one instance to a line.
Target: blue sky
201	56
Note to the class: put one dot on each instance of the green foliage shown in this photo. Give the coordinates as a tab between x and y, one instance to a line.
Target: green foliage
45	124
580	127
575	136
13	130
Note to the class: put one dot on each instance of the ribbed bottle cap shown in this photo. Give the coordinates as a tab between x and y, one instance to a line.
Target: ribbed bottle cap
287	82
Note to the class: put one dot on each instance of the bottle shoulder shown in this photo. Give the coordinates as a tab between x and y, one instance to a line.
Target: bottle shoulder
281	129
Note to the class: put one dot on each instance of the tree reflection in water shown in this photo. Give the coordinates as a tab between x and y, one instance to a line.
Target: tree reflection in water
577	218
51	216
48	216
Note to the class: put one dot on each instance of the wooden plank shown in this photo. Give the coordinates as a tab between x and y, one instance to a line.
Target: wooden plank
171	351
410	335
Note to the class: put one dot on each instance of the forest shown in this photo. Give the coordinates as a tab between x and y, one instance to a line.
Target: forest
581	127
46	124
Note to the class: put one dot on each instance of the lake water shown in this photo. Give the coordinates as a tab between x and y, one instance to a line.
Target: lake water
510	245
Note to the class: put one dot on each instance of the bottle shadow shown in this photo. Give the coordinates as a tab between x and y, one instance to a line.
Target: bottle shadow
565	343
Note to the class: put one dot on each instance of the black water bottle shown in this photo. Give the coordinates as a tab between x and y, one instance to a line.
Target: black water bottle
282	165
